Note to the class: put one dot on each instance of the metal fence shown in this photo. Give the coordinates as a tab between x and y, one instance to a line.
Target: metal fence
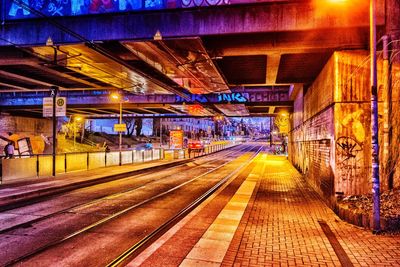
24	167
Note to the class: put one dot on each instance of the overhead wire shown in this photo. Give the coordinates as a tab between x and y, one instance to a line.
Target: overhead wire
91	44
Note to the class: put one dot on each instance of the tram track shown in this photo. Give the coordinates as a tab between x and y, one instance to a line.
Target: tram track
166	176
107	219
142	244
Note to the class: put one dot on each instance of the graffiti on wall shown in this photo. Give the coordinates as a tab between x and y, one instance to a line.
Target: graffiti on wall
349	149
20	9
25	8
349	158
192	3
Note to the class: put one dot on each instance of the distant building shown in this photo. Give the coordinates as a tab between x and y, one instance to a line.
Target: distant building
191	126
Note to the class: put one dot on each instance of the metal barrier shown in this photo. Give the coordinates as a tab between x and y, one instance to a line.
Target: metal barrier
21	167
41	165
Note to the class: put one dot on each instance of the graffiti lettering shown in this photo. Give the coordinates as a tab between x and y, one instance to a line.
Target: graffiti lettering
348	158
84	7
348	147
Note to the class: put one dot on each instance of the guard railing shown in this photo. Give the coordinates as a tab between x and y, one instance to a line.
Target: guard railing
40	165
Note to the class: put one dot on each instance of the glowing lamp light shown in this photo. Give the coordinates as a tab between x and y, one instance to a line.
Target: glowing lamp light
115	96
78	118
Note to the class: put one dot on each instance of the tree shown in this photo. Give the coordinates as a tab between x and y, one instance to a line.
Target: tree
138	125
130	126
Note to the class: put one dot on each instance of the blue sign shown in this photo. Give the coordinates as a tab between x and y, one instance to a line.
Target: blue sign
233	97
216	98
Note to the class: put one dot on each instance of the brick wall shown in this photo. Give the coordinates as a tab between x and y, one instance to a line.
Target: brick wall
310	150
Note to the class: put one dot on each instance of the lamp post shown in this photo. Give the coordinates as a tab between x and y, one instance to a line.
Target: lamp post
54	92
374	122
118	97
161	128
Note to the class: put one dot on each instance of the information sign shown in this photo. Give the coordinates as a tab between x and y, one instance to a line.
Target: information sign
120	127
61	106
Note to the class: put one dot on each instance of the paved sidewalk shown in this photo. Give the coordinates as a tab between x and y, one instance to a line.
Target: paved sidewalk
31	188
285	223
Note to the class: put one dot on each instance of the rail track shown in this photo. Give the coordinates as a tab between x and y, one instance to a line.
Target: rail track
228	157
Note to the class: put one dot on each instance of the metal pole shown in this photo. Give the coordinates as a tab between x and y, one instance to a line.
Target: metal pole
120	133
54	91
120	122
387	111
74	133
160	132
374	124
270	131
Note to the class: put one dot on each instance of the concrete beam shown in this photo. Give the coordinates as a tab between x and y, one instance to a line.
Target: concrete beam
173	23
272	68
97	98
10	86
23	78
294	90
271	110
289	42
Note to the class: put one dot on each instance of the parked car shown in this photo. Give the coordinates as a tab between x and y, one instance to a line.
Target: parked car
195	145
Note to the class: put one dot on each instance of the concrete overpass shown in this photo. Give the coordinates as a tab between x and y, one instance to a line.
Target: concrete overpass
255	101
196	50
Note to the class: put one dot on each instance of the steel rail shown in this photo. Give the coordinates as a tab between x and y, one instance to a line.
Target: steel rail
114	216
105	179
176	218
98	199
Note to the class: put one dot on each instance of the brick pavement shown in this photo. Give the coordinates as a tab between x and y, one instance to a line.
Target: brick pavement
280	227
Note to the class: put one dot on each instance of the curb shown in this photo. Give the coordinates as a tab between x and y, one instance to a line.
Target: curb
365	220
13	201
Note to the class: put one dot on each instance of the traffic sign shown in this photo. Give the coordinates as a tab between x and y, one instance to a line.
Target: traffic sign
61	106
120	127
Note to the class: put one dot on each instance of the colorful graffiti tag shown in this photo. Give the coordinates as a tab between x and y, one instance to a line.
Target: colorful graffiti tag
21	9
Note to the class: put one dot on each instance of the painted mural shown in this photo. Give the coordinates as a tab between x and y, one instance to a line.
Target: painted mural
22	9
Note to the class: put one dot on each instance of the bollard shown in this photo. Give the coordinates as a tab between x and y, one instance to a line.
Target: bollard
65	162
37	165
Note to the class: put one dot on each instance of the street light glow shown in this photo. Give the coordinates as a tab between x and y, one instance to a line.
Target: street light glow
78	118
284	114
115	96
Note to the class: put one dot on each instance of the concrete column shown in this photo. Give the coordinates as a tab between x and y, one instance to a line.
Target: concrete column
272	67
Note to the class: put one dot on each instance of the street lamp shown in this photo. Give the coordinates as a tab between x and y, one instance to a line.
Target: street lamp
116	96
